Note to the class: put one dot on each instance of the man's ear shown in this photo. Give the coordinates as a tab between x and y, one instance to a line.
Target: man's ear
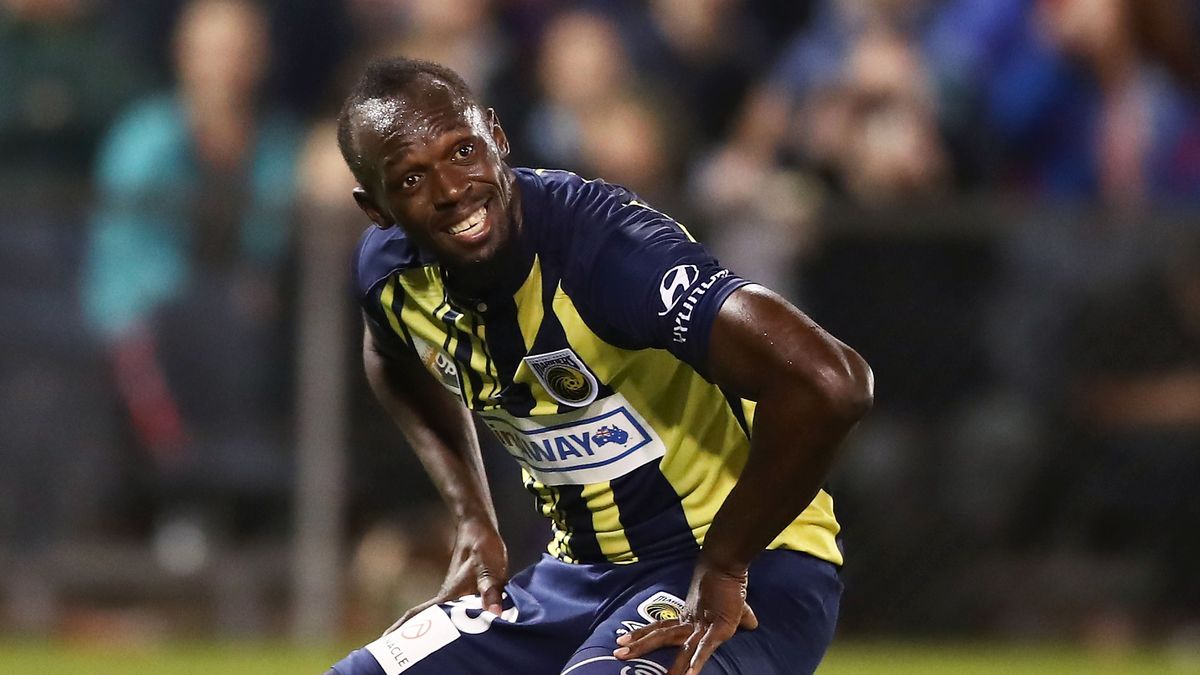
498	134
369	207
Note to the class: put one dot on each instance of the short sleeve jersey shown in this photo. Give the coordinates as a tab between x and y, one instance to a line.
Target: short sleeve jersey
590	370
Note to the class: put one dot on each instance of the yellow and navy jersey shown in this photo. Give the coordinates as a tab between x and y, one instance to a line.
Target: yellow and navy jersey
589	368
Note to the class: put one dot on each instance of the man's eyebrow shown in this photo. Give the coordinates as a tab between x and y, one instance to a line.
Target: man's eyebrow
398	154
457	134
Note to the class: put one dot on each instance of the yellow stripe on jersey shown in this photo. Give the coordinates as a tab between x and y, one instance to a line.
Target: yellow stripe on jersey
492	376
530	315
422	301
606	521
546	500
529	303
469	330
387	298
422	295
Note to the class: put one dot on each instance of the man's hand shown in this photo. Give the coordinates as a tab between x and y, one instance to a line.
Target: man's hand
716	608
479	565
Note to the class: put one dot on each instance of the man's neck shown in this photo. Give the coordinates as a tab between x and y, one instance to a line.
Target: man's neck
505	271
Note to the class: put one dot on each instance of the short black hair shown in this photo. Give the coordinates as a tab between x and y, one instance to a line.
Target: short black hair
389	78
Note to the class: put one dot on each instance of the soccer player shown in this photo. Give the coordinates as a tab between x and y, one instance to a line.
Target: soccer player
674	421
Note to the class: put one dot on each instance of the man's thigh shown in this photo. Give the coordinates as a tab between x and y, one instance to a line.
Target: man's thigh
794	596
547	614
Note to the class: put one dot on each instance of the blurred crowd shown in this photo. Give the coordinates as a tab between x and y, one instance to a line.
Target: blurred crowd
996	201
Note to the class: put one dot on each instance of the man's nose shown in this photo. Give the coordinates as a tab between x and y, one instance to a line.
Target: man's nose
449	187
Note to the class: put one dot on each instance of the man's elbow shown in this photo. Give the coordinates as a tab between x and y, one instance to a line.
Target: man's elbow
846	388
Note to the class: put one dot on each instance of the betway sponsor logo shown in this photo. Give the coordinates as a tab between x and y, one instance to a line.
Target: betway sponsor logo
548	447
603	441
683	318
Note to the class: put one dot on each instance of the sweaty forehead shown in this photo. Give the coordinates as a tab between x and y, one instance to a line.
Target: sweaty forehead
425	108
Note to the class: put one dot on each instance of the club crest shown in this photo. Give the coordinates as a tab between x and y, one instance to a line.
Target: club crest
565	377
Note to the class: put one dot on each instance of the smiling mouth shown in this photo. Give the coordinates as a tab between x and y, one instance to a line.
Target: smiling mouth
471	222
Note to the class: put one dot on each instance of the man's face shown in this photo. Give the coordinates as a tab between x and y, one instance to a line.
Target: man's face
437	169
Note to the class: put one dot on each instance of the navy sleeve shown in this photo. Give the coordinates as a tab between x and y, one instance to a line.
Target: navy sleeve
370	270
637	278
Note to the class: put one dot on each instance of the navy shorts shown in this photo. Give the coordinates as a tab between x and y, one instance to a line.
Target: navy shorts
565	618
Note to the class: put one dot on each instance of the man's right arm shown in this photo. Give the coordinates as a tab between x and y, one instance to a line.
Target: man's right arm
440	430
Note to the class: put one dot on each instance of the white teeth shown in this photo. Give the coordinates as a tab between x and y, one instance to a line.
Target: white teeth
470	221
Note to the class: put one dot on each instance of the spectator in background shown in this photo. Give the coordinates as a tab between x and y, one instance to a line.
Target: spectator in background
850	110
187	246
1084	99
1076	102
701	55
309	38
628	140
463	34
595	113
64	80
581	67
853	100
476	37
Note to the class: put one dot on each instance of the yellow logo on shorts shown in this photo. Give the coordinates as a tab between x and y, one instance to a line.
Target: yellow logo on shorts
661	611
661	607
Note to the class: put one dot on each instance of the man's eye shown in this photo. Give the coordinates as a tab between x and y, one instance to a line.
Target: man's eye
410	180
465	151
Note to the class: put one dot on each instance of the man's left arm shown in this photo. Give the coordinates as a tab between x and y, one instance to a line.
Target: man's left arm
811	390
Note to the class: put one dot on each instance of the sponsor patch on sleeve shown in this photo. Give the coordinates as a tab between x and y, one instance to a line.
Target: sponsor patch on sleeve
439	363
675	284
